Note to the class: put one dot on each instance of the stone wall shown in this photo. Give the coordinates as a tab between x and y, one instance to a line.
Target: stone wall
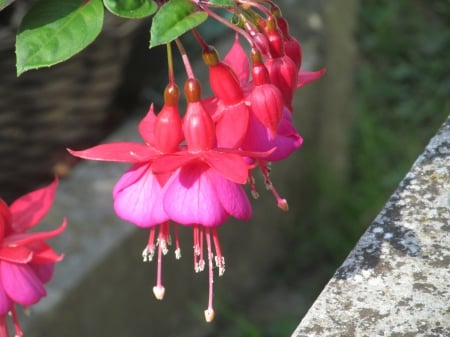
396	281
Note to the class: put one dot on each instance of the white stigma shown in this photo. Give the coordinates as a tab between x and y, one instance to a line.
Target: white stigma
209	315
159	291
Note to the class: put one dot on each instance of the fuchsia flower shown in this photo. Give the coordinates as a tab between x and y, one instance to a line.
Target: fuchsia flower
26	260
190	171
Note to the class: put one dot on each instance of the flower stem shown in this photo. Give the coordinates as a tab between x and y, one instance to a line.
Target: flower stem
185	58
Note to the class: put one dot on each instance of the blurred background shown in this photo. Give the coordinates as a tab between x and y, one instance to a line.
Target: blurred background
385	94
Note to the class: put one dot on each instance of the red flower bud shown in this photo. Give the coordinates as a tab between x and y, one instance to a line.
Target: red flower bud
198	125
223	81
167	128
284	75
266	100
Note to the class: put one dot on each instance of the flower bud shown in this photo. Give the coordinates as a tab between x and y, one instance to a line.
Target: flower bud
198	126
283	74
167	129
223	81
266	100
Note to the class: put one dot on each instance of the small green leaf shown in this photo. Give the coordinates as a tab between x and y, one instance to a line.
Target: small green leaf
174	19
222	3
131	9
55	30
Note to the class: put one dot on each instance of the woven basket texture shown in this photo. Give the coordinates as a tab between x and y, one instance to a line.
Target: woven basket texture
44	111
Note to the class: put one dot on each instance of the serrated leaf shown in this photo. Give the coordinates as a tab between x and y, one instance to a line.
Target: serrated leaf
5	3
174	19
55	30
131	9
222	3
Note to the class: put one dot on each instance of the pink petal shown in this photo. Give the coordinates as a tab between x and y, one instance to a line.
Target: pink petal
237	59
21	283
30	208
171	162
285	142
147	126
126	152
138	197
229	165
190	197
232	126
44	253
306	77
44	271
28	238
16	254
232	196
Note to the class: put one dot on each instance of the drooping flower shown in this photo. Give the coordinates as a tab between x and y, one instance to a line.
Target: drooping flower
138	195
26	260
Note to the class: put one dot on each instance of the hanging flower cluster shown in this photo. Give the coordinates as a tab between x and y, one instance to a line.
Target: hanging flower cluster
191	168
26	260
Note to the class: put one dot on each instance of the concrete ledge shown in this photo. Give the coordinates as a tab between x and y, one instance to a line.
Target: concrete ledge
396	281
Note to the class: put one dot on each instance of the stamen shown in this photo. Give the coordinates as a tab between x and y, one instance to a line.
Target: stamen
149	250
16	323
209	312
281	202
219	259
196	248
253	190
177	243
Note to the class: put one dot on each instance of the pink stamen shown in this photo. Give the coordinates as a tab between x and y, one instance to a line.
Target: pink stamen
281	202
202	259
196	248
220	260
16	323
149	250
253	191
177	243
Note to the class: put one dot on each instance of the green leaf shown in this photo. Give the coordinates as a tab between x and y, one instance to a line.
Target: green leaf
222	3
174	19
55	30
4	3
131	9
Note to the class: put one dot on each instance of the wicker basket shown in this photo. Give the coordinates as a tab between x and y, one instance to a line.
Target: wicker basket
69	105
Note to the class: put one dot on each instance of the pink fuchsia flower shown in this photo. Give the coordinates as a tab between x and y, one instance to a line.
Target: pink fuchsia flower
205	188
26	260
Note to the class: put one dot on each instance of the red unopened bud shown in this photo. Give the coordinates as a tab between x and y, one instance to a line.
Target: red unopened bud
167	128
258	38
283	74
274	36
260	75
266	100
198	126
223	81
293	49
